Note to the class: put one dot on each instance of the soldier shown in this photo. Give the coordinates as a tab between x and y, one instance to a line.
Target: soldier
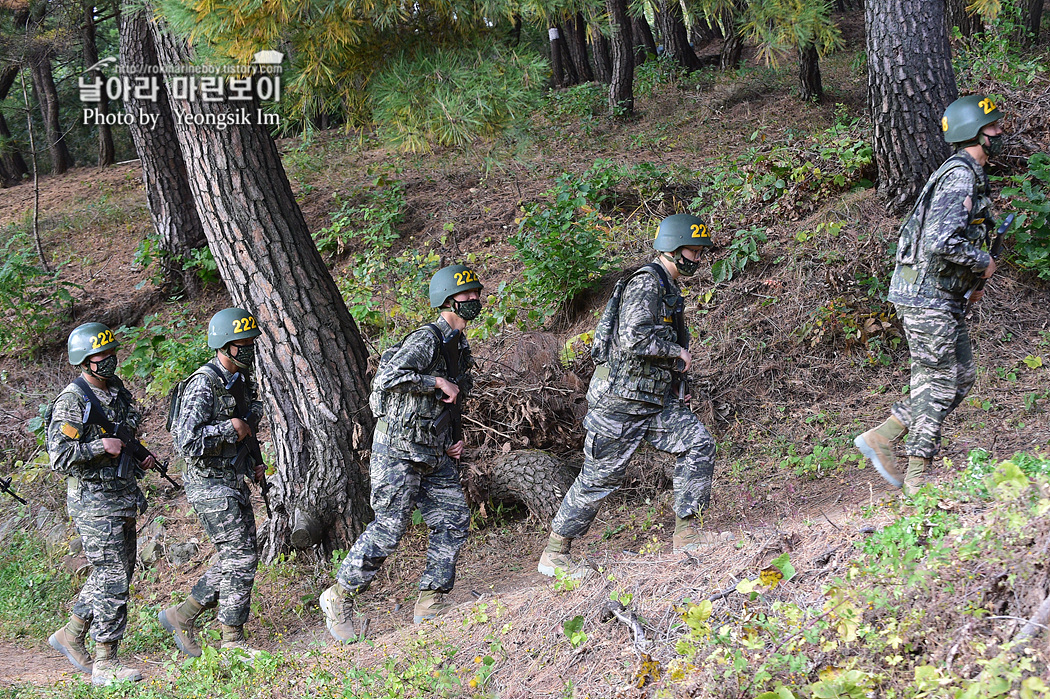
940	268
102	496
631	398
209	432
415	397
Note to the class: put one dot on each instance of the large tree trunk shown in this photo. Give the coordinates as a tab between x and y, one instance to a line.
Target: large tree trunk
1033	17
529	476
642	35
675	35
809	83
313	360
956	16
557	69
602	58
576	43
621	90
13	168
164	171
47	96
106	152
910	82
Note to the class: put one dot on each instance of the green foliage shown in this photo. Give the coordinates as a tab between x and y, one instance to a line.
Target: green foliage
578	102
1031	233
450	97
202	262
998	53
372	222
162	354
508	305
564	246
32	302
781	26
34	587
573	630
741	251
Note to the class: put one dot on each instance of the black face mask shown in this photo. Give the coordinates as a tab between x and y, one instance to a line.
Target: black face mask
245	358
467	310
992	145
686	267
105	369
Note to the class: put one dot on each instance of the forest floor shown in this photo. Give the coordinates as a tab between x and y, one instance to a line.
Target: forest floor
787	371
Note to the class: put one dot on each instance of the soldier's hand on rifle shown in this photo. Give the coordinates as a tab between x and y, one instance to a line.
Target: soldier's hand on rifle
260	473
988	272
149	463
456	450
112	445
687	358
450	389
242	428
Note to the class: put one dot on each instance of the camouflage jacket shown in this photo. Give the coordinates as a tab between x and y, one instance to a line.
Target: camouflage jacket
202	433
76	450
939	254
637	379
405	398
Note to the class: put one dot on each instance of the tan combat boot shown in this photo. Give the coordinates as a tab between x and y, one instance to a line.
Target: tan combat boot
69	641
556	556
431	604
108	669
233	639
688	538
915	479
877	445
338	607
179	620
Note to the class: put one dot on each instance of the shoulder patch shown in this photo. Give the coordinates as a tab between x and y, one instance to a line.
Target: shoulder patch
70	431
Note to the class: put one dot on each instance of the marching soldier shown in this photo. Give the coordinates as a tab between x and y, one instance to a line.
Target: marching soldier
417	394
940	269
102	496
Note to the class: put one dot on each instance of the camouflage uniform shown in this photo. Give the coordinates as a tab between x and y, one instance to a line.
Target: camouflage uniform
102	506
939	260
409	466
630	400
204	436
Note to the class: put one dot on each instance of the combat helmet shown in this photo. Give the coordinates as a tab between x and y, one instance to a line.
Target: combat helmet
231	324
87	340
965	117
679	231
449	281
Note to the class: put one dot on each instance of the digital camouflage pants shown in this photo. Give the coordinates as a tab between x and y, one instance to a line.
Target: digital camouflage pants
229	522
942	373
609	445
109	544
399	485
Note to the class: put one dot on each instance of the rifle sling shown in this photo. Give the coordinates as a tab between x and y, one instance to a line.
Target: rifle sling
96	405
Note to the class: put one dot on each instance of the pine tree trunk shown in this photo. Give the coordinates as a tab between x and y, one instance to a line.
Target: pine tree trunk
732	49
809	83
571	77
576	43
515	29
645	44
910	82
47	97
676	37
602	58
164	174
106	151
1033	19
621	89
312	358
956	16
557	69
529	476
12	166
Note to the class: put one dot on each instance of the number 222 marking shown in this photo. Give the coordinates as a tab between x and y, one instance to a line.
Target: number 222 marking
103	338
244	324
465	277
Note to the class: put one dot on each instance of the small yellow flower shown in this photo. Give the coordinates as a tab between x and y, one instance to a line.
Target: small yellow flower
477	660
473	682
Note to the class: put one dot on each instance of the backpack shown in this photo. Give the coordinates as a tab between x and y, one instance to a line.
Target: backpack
177	391
390	351
608	323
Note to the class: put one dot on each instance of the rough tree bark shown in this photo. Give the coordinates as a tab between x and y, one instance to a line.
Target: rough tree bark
312	358
164	171
106	151
910	82
621	89
644	43
529	476
576	43
1033	18
602	58
809	84
955	15
675	35
13	168
47	96
558	78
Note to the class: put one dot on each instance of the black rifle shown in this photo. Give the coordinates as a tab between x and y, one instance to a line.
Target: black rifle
134	452
5	485
995	251
450	352
249	449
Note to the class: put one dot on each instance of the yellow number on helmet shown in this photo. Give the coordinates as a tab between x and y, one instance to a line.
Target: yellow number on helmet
944	123
987	105
699	231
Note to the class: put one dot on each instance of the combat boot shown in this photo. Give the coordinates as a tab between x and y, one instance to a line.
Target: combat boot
179	620
338	607
689	538
877	445
233	639
431	604
556	556
69	641
916	477
108	669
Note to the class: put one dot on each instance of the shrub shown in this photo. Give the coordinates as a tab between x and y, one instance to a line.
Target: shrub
372	221
162	354
32	301
1031	247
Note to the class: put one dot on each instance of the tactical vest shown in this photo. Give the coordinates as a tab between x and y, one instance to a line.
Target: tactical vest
101	471
412	421
931	281
645	379
224	407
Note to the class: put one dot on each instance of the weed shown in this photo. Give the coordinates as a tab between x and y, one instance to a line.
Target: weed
202	262
740	252
573	630
1030	193
162	354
